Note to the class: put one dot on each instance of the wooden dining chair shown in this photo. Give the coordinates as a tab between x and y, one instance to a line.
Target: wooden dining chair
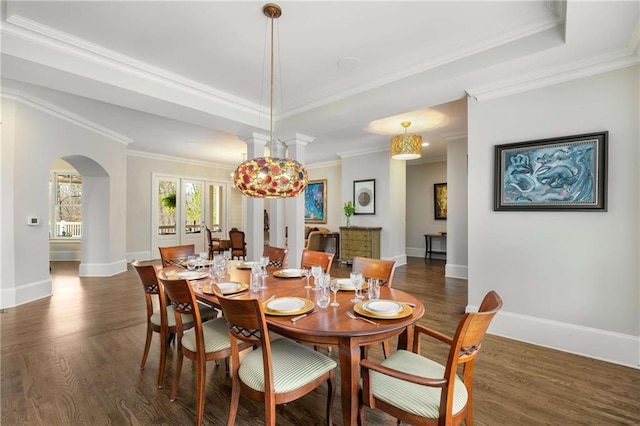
277	257
277	371
311	258
206	341
161	320
238	244
420	391
175	255
382	270
212	243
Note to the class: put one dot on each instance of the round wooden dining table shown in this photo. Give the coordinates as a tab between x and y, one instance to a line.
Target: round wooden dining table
328	327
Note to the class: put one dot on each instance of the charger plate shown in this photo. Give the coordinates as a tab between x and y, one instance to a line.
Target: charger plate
347	285
189	275
288	273
231	287
405	312
206	263
246	265
284	306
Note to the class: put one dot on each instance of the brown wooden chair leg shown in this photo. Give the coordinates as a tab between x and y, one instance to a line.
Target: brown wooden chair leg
147	345
330	397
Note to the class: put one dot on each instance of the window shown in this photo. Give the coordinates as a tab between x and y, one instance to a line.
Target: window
65	191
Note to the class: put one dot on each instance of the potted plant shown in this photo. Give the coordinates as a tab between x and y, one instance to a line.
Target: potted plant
349	209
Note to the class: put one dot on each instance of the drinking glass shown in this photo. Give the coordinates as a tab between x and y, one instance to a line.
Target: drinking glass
316	271
307	274
374	289
227	255
191	263
334	286
202	258
322	297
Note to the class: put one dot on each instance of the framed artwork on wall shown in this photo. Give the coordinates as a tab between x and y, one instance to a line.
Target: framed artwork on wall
562	174
440	201
364	196
315	201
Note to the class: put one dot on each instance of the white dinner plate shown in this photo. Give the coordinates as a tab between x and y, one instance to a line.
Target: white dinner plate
286	304
191	275
345	284
383	307
229	287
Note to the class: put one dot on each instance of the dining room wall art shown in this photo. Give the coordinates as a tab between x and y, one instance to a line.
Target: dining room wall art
315	201
561	174
364	196
440	201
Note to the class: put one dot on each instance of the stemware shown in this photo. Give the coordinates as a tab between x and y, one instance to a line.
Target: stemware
357	280
264	262
307	274
202	258
334	286
227	255
191	263
316	271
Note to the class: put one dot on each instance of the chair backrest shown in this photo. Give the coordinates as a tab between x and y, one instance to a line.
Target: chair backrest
174	255
277	257
315	241
148	275
311	257
237	241
467	343
183	301
382	270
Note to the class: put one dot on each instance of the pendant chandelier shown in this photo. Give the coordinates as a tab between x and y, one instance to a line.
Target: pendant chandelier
406	147
266	176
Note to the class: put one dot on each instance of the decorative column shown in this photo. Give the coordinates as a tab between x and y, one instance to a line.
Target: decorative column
295	205
277	208
254	213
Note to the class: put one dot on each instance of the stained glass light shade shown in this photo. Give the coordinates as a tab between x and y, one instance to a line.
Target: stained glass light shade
267	177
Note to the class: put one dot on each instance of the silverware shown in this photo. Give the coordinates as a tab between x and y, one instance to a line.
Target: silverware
299	317
235	294
362	318
413	305
270	299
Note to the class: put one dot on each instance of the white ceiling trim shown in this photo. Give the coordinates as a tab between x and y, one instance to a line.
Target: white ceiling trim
610	62
161	157
46	36
63	114
357	153
534	26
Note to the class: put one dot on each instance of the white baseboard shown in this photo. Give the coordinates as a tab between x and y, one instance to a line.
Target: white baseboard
400	260
456	271
415	252
139	255
15	296
604	345
102	269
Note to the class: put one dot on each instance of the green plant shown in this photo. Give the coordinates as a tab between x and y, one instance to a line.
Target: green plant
349	209
169	201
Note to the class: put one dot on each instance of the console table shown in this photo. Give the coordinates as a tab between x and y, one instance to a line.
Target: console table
430	250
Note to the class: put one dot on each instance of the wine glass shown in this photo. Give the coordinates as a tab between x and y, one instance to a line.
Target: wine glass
202	258
191	263
334	286
307	274
353	277
264	262
359	283
316	271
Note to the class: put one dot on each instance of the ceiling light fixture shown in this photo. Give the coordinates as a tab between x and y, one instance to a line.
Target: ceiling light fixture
406	147
266	176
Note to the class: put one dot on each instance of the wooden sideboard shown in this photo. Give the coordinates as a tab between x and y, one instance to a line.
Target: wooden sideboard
359	241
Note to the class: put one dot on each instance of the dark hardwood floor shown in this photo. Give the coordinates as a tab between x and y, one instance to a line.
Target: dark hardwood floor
73	359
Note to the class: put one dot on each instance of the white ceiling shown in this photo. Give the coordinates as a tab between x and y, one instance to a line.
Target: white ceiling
190	79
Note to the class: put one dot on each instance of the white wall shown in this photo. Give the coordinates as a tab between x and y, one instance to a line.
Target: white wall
140	169
33	137
569	280
377	166
458	209
420	209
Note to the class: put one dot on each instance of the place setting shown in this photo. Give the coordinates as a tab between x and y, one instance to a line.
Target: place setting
227	288
289	273
247	265
187	275
383	309
287	306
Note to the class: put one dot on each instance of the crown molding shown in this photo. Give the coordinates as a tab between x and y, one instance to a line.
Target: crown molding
63	114
173	158
46	36
357	153
333	163
619	59
426	160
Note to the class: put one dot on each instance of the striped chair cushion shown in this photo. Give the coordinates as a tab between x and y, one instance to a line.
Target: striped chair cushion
216	336
294	365
419	400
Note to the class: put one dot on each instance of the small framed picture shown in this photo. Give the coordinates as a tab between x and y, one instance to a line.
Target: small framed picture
364	196
440	201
